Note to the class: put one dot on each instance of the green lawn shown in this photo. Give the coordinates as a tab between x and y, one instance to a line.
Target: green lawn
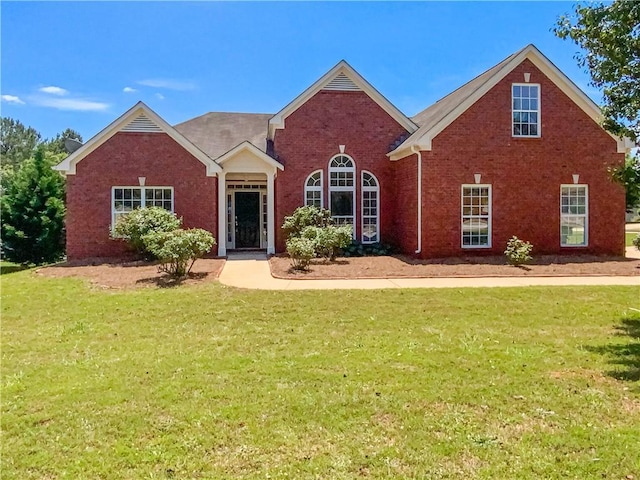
213	382
629	236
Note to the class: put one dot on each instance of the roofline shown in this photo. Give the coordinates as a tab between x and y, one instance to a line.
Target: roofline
425	134
68	165
278	120
247	145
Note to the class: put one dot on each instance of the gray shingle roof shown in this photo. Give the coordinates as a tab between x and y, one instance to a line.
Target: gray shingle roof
215	133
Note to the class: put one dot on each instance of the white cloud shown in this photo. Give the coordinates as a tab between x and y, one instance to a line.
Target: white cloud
77	104
54	90
129	90
167	83
12	99
159	96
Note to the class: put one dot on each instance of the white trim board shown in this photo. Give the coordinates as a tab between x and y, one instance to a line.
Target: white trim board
68	165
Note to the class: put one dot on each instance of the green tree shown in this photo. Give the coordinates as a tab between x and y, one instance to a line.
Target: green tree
609	34
629	177
32	208
17	142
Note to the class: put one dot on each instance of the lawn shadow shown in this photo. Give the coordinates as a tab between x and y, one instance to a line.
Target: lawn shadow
625	357
13	268
167	281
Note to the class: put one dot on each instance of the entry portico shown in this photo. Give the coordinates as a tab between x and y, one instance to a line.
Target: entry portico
246	208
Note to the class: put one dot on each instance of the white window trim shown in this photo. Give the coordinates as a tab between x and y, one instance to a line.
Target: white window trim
375	189
585	215
539	109
307	188
489	219
142	198
344	189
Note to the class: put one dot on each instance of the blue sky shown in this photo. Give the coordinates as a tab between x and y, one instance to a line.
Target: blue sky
81	64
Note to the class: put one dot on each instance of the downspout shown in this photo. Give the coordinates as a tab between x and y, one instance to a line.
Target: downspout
415	149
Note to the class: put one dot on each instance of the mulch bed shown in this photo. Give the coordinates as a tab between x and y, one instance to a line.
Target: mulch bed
401	266
119	274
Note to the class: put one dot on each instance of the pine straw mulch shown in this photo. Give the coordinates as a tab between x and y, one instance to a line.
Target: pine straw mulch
402	266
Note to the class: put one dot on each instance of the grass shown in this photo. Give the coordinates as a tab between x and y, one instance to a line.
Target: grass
629	236
213	382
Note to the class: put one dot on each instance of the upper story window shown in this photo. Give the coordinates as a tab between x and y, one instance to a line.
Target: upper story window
313	189
525	106
342	189
127	199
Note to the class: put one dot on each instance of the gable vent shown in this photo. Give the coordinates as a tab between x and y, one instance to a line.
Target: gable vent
143	124
341	82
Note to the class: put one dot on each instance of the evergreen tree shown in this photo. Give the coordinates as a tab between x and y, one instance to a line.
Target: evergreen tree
32	208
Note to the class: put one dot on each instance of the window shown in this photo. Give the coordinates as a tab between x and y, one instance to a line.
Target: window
126	199
526	110
574	209
342	190
370	208
476	216
313	189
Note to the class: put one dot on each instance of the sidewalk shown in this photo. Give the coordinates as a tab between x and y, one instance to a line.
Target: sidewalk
251	270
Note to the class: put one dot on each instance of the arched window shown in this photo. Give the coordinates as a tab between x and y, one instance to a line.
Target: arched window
342	190
313	189
370	208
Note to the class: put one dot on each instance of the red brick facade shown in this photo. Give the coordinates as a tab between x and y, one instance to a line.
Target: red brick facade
525	174
119	162
312	137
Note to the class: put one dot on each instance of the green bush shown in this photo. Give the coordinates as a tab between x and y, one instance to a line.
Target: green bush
358	249
301	251
329	240
636	241
134	226
518	251
303	217
178	250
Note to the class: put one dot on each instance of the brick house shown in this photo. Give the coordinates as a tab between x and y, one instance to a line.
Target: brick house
516	151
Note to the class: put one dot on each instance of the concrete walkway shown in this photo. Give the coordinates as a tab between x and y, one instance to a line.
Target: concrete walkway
251	270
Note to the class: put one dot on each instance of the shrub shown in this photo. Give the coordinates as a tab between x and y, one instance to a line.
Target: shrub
636	241
301	251
178	250
303	217
327	241
357	249
518	251
134	226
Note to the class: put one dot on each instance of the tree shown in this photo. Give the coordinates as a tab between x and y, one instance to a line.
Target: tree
17	142
32	208
629	177
610	35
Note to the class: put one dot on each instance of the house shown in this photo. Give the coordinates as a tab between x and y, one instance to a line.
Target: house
517	150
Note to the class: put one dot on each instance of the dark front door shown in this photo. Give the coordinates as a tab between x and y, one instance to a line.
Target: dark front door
247	219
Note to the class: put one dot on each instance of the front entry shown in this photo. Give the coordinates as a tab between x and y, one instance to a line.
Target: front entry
247	219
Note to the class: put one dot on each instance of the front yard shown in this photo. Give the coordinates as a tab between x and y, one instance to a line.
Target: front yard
203	381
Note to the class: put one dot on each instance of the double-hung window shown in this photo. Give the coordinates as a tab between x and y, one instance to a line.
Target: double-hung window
574	219
525	101
342	190
476	216
127	199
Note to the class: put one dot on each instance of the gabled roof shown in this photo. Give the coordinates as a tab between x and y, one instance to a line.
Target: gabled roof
250	147
341	77
441	114
139	118
218	132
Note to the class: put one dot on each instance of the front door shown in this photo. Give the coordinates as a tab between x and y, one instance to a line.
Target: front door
247	219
